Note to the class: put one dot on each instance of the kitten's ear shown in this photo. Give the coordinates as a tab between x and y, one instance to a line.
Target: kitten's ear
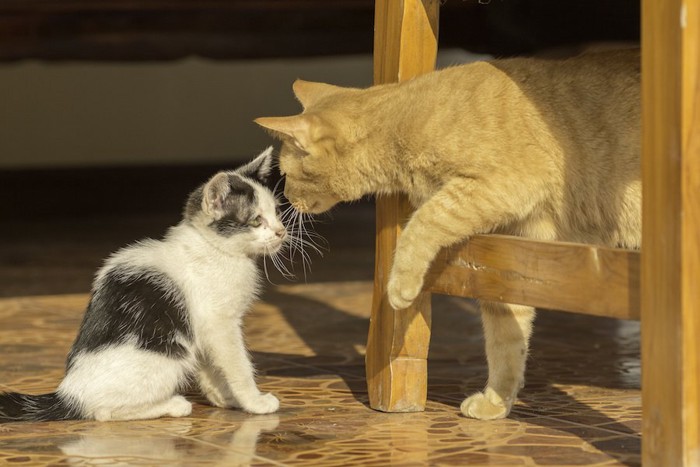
214	195
308	93
259	168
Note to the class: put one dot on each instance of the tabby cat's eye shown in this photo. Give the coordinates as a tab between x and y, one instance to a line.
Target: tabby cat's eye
297	145
255	222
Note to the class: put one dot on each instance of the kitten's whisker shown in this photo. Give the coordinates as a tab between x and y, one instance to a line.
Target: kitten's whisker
267	276
281	267
275	257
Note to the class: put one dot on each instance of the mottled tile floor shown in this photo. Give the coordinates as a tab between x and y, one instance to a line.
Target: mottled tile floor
580	406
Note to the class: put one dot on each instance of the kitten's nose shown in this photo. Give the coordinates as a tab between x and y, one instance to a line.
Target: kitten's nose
281	233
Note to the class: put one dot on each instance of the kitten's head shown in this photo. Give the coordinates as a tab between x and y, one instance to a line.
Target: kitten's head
324	154
235	209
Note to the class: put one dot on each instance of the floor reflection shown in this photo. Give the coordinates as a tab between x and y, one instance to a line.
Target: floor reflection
175	442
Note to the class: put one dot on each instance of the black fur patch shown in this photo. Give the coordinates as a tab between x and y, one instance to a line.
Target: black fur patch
16	407
194	203
146	306
239	207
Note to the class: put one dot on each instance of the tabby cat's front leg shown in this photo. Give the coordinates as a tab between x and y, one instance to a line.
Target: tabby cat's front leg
411	262
458	210
507	330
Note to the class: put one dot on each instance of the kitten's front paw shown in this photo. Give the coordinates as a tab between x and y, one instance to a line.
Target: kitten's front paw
261	404
403	289
487	405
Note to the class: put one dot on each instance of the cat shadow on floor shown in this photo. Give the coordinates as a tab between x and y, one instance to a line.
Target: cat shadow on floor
575	360
335	338
604	354
560	411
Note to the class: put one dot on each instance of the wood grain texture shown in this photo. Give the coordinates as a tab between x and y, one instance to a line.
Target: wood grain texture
691	277
397	345
690	196
670	275
562	276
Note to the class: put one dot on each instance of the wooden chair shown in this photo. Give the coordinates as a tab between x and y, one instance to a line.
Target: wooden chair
572	277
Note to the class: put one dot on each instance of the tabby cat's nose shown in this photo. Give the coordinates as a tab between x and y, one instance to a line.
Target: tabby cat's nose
281	233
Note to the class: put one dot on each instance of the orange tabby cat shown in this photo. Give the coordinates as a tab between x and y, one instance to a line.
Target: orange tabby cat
544	149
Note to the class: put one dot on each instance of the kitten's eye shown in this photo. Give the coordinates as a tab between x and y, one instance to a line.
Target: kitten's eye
255	222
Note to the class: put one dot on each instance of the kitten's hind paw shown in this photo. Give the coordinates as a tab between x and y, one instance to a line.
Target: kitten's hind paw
178	406
487	405
262	404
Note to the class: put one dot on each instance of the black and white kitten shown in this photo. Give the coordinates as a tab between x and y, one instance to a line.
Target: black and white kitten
163	312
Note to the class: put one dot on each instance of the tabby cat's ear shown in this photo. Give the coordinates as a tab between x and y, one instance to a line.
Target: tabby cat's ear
308	93
295	127
259	168
214	195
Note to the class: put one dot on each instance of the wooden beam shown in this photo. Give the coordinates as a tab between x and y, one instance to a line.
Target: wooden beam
671	233
405	45
562	276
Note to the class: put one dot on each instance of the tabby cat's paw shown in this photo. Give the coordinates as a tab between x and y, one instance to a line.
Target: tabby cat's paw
487	405
261	404
402	290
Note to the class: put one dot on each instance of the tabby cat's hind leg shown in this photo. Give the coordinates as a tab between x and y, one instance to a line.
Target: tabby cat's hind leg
507	330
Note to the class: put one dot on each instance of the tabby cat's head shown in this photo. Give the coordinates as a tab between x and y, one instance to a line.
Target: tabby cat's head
324	153
235	210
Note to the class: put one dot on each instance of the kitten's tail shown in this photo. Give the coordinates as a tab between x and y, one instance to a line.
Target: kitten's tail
16	407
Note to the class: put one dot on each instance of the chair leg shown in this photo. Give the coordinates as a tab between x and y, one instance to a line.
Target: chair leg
670	268
397	346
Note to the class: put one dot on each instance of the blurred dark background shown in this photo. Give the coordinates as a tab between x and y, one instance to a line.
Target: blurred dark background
115	109
238	29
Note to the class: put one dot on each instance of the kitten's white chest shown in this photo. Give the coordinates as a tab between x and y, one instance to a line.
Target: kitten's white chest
222	286
219	294
219	287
